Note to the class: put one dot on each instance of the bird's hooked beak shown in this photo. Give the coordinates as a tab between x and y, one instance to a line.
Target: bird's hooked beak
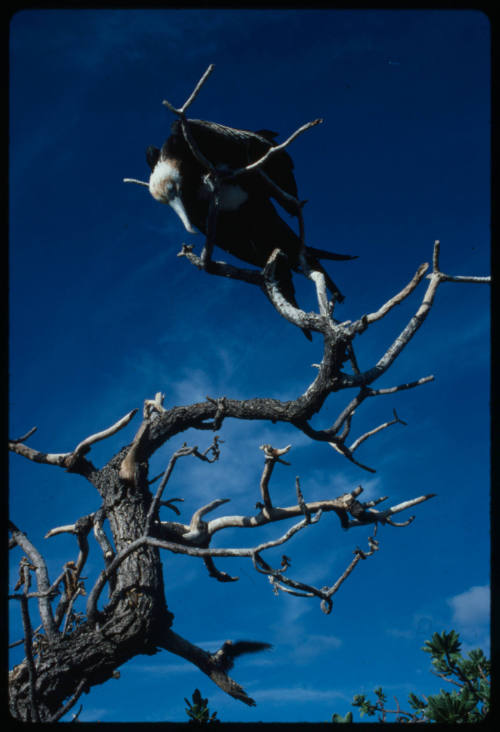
179	209
164	186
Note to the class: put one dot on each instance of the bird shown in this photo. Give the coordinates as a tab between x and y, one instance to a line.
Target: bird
226	655
247	225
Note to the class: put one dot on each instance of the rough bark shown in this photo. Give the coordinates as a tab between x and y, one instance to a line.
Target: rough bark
129	625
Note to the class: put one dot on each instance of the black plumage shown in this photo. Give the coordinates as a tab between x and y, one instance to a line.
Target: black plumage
226	656
247	224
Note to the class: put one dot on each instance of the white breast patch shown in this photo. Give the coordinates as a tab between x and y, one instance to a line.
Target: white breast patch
231	196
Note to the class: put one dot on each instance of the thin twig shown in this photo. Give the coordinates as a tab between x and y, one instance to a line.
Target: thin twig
116	427
101	537
182	452
274	149
134	180
373	516
193	94
68	460
446	678
42	578
272	456
347	452
22	640
70	608
71	702
25	437
400	387
396	300
374	431
464	278
28	649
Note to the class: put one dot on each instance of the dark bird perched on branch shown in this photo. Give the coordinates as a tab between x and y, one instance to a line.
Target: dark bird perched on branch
226	655
247	224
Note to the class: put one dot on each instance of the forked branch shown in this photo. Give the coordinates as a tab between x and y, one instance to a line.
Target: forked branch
194	539
73	461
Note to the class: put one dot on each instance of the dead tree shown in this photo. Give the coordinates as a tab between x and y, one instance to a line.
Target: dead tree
67	655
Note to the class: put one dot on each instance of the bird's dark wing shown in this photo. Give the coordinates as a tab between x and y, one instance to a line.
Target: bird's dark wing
152	156
268	134
226	655
238	648
235	148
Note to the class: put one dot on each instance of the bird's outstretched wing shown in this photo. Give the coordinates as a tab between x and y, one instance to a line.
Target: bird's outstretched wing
243	646
226	655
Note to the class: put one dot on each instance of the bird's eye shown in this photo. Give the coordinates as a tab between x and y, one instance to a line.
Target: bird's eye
170	189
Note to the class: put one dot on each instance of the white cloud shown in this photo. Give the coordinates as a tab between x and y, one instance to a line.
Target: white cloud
281	695
297	646
342	481
165	669
313	646
471	608
293	610
211	645
420	626
95	714
476	640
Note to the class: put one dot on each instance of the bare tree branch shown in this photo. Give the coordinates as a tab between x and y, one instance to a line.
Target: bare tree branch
71	460
382	517
197	527
199	533
138	182
39	457
72	570
272	456
182	452
193	94
274	149
329	592
155	503
70	703
28	649
84	445
338	338
42	580
101	538
471	280
435	279
206	662
24	437
397	299
374	431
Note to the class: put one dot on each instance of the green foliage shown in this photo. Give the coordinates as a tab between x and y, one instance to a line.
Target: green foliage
340	719
416	703
198	712
468	702
452	708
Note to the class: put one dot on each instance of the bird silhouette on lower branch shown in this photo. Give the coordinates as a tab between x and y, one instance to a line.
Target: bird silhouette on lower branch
226	655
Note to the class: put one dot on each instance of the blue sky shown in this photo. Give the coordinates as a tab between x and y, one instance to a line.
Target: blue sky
103	315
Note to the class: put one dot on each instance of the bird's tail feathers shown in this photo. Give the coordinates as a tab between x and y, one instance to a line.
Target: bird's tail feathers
323	254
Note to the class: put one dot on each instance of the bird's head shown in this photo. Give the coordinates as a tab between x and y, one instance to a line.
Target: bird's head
165	183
